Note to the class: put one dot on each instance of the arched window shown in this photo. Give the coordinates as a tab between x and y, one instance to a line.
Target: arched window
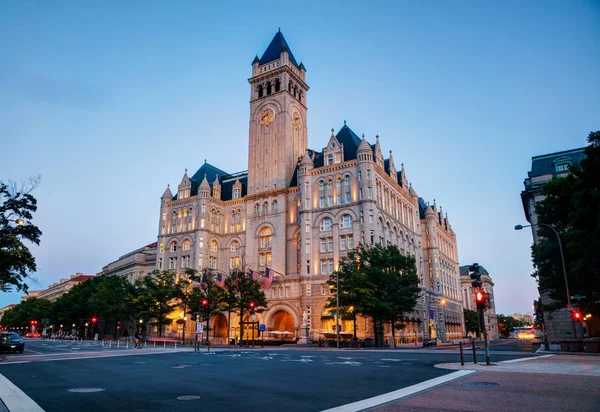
260	90
295	90
277	85
268	88
321	185
300	96
265	236
330	183
347	180
179	213
213	246
174	215
186	245
173	247
235	246
257	208
274	205
326	224
265	207
290	86
338	182
346	221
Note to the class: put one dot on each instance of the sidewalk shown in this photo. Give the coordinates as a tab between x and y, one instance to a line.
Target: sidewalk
552	383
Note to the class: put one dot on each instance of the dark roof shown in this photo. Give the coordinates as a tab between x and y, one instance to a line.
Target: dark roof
274	50
227	185
422	208
545	164
350	141
210	172
386	165
399	178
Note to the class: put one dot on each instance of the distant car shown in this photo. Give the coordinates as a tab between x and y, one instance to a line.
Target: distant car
429	342
11	342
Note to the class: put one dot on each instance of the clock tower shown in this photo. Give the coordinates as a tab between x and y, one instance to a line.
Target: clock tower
278	131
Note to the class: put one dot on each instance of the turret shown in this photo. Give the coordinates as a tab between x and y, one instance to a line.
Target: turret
411	190
392	172
167	195
306	165
204	189
364	151
185	187
216	188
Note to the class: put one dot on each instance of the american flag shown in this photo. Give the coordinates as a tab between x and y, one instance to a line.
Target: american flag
267	278
251	274
220	280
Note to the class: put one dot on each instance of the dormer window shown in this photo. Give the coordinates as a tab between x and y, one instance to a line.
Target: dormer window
236	193
330	159
561	166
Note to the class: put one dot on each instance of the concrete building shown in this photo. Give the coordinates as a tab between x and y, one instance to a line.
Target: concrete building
55	290
4	309
558	323
133	265
468	298
526	318
297	211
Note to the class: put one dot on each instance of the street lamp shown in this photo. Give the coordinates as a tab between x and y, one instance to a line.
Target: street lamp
562	258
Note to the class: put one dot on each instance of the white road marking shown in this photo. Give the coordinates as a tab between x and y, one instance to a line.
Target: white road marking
29	350
399	394
525	359
15	399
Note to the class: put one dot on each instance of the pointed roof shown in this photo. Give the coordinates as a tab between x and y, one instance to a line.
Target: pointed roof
167	194
185	180
306	160
274	50
364	145
350	141
332	140
216	182
412	191
207	171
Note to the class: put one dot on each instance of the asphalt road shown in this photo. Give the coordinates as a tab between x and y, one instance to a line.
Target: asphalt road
249	380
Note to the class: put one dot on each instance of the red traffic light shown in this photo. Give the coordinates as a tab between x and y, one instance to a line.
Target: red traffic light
251	305
94	319
577	315
479	296
204	302
34	322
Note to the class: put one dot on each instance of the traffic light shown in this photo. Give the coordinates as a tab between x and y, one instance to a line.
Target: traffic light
94	319
34	322
577	315
252	308
480	299
475	275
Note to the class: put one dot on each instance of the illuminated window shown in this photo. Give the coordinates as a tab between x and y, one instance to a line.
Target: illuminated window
164	216
162	247
186	245
265	238
202	223
235	246
213	246
234	262
173	247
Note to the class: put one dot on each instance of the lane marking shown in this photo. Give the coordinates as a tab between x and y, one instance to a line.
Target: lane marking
29	350
15	399
399	394
525	359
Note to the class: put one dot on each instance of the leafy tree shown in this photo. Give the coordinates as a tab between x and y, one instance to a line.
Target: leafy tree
471	321
157	296
31	309
507	324
16	212
112	300
572	207
241	290
377	282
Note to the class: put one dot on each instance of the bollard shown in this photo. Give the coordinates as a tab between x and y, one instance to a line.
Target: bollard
110	344
462	354
127	347
164	344
175	345
145	343
118	343
474	352
155	344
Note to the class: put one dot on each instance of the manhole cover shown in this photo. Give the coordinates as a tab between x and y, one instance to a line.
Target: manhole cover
85	390
188	397
480	384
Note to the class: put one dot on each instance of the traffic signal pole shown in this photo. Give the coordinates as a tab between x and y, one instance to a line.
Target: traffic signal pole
485	336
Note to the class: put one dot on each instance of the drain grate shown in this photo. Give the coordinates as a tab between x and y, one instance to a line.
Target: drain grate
85	390
480	384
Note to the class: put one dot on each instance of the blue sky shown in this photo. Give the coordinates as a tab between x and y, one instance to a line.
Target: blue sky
110	102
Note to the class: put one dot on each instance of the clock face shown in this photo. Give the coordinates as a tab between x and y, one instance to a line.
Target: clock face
267	116
297	120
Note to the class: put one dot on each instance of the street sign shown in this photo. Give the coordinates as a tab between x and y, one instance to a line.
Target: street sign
199	327
254	318
262	327
339	328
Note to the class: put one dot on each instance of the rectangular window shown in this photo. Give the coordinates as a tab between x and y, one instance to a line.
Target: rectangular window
329	159
307	249
160	261
203	208
202	223
339	198
368	174
360	194
307	226
370	192
329	200
261	259
329	244
348	197
212	262
162	230
343	243
324	267
322	202
350	242
306	204
323	247
268	258
308	267
200	261
371	216
359	176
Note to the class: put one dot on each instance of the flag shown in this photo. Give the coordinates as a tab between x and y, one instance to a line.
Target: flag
204	278
220	280
267	279
251	274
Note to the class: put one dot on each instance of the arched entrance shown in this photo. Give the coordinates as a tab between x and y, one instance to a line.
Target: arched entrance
220	326
282	326
249	328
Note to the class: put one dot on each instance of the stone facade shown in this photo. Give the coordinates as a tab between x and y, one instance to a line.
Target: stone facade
56	290
468	298
558	323
299	211
133	265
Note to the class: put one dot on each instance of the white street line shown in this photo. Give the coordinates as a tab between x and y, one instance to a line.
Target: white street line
29	350
399	394
525	359
15	399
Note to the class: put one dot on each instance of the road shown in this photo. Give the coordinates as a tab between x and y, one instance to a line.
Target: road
269	379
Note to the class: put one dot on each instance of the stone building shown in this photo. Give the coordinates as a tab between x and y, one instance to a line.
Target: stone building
558	323
468	298
56	290
133	265
298	211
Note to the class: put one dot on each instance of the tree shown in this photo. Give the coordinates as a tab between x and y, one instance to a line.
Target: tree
241	290
471	321
31	309
377	282
507	324
16	212
112	300
572	207
156	297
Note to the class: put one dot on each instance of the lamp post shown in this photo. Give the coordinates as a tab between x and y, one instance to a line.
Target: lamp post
562	258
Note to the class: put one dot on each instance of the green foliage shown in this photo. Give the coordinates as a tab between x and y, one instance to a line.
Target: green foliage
156	297
507	324
377	282
26	311
240	291
572	207
471	320
16	211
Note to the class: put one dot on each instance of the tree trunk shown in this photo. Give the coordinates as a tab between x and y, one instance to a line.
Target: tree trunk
393	335
354	321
